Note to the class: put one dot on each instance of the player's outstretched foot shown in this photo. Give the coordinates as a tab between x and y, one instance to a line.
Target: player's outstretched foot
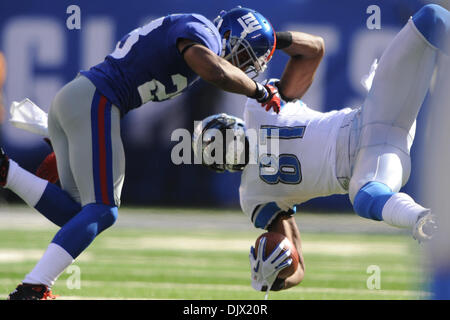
4	167
26	291
425	227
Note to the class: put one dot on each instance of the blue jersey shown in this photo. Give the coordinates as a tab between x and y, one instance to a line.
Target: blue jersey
146	64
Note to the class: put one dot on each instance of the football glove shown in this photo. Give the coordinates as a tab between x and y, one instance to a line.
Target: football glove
266	269
276	82
268	96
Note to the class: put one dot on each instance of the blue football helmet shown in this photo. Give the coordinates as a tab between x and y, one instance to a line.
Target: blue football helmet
248	39
221	142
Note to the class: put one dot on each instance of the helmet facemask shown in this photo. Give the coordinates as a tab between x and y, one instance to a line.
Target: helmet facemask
243	57
236	149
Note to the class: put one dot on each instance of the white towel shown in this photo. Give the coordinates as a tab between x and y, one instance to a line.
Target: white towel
367	80
28	116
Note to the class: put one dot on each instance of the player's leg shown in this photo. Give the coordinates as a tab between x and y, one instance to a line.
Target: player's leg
97	162
60	144
433	22
54	203
401	82
50	200
398	91
379	173
92	127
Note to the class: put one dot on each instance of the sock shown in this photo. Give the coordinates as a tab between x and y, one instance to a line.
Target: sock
70	241
26	185
401	211
433	22
50	200
370	200
51	265
57	205
81	230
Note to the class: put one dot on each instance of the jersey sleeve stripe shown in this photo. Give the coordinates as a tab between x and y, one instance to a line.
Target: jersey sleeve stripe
264	214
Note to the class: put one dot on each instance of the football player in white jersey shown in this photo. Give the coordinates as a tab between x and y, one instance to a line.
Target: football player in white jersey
299	154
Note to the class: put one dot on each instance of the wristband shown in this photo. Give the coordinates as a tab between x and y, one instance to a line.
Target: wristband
261	93
284	39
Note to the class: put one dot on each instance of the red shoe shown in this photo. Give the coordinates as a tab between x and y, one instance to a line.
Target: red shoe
25	291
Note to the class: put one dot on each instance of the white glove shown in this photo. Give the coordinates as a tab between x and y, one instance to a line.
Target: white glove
265	270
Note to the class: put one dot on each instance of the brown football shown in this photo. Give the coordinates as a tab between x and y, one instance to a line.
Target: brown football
272	241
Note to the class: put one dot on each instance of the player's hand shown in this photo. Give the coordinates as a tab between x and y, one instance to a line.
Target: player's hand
48	169
268	96
266	269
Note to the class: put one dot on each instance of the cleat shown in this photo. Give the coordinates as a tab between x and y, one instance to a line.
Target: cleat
425	227
4	167
25	291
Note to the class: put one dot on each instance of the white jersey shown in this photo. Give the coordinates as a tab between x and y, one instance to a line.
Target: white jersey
305	162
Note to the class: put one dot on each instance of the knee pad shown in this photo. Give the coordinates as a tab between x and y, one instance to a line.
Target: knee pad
433	22
105	215
370	200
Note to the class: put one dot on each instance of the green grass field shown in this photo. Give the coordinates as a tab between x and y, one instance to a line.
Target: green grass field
170	261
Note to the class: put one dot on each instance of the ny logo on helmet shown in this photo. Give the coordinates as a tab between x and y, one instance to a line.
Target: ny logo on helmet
249	23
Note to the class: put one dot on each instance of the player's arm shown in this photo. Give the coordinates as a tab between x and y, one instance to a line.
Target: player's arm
286	225
306	52
218	71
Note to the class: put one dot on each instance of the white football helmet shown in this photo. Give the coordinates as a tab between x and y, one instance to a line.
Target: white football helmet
221	143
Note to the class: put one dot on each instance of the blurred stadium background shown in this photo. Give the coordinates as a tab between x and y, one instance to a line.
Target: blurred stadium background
161	198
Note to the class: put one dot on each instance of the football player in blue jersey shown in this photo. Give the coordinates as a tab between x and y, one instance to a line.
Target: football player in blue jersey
153	63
